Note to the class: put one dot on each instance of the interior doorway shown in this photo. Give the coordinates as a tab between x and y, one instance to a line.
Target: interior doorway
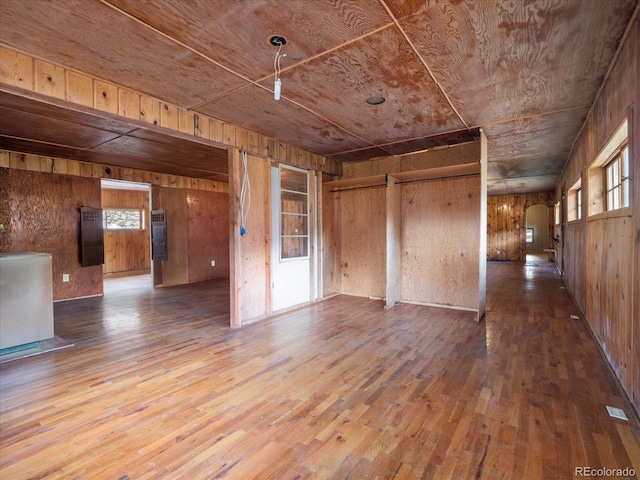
537	233
127	244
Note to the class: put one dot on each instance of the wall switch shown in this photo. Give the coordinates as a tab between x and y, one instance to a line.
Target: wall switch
65	277
213	263
498	252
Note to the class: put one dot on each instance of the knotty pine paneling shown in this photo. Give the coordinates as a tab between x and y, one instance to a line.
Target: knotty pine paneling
506	224
47	164
43	216
126	250
602	259
609	249
208	232
440	225
363	242
574	250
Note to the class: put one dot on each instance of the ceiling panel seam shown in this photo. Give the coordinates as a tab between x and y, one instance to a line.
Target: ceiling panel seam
426	66
182	44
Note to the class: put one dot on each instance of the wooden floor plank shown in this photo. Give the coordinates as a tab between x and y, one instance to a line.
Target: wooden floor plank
158	386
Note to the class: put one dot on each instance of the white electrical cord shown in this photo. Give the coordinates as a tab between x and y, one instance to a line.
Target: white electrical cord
245	195
276	68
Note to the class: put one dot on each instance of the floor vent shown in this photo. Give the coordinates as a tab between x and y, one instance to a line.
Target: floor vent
616	413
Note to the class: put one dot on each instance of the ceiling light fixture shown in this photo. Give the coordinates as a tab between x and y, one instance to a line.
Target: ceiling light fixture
277	41
375	100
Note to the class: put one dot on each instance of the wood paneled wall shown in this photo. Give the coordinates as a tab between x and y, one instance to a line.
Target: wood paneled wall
197	233
38	163
439	240
250	254
602	255
200	211
330	240
40	213
363	242
507	221
440	230
175	270
126	250
208	233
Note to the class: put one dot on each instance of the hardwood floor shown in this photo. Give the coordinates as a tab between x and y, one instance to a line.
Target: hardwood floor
158	386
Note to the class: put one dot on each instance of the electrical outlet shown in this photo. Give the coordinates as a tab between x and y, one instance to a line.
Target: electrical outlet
213	263
498	252
65	277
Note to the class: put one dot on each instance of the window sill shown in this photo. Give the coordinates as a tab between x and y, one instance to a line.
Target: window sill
621	212
577	221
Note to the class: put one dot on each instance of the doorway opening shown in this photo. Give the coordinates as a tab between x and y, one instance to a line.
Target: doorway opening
127	244
537	234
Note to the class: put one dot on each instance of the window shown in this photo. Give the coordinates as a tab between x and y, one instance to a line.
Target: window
574	197
609	186
529	236
123	219
579	202
294	221
617	180
556	213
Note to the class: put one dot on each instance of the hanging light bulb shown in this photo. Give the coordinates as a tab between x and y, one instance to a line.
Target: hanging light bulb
276	89
277	41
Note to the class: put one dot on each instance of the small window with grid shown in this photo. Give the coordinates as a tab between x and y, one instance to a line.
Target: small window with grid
617	180
574	211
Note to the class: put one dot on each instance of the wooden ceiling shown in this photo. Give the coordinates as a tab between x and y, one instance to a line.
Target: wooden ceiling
526	72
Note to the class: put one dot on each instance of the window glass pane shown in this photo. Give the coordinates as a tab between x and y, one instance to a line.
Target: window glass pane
294	204
579	201
293	180
610	200
293	225
293	247
123	219
625	193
